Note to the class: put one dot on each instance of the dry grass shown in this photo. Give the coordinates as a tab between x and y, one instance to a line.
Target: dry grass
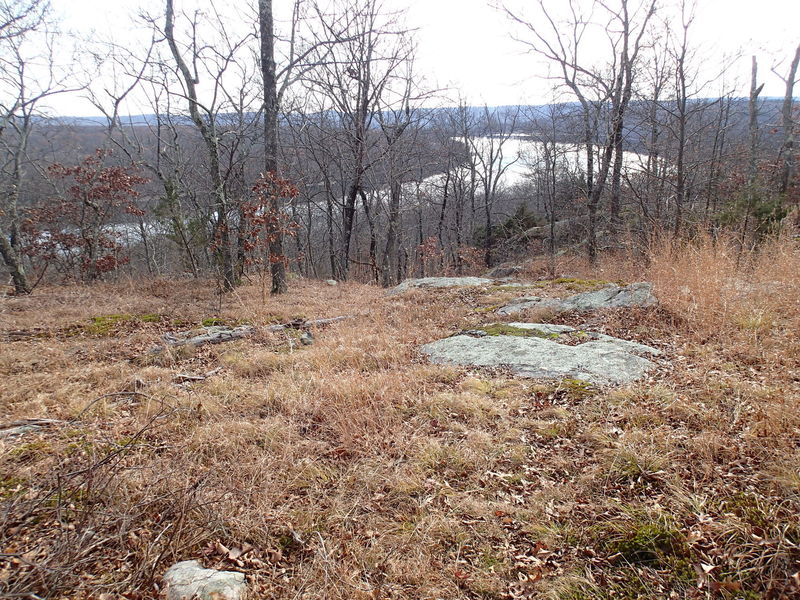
714	285
352	469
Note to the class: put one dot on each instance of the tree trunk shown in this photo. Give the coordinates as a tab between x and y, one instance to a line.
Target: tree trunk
10	247
752	171
178	226
274	228
391	256
373	239
680	109
589	141
14	264
680	170
591	200
788	126
488	241
348	223
442	214
331	242
616	185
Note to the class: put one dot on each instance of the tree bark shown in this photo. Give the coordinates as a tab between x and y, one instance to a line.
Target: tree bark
373	238
348	223
14	264
391	258
752	170
10	247
788	126
274	232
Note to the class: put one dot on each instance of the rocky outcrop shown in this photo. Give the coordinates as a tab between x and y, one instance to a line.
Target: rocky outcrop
188	580
611	296
545	351
565	230
221	334
503	271
439	282
26	426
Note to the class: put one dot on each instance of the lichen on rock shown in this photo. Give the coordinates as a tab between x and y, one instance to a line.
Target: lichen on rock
601	360
612	296
188	580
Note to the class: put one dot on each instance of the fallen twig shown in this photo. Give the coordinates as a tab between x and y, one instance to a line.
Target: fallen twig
219	334
188	378
303	324
118	394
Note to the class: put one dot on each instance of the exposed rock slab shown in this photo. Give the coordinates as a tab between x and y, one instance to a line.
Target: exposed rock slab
439	282
188	580
221	334
601	360
611	296
503	271
26	426
215	334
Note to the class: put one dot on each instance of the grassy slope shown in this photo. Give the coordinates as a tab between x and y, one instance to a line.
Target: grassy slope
352	469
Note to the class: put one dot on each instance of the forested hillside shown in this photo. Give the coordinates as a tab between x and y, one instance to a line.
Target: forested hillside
376	179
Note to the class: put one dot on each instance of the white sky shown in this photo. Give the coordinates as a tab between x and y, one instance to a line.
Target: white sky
466	46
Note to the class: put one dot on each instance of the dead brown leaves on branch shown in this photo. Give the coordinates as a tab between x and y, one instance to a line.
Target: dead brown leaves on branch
71	232
265	218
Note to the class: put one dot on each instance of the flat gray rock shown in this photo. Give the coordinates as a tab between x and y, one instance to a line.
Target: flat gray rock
502	271
439	282
26	426
188	580
611	296
601	360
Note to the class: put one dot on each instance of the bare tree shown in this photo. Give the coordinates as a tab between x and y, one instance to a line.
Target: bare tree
554	177
462	177
560	43
492	159
364	69
28	76
275	235
788	125
206	124
752	162
394	123
20	17
629	39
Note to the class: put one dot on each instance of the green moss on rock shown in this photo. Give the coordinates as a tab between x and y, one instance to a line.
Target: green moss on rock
212	322
505	329
104	324
150	318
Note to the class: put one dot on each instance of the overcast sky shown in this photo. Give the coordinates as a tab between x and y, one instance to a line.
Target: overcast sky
466	45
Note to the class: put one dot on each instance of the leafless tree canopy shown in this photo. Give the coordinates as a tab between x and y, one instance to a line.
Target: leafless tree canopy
315	146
